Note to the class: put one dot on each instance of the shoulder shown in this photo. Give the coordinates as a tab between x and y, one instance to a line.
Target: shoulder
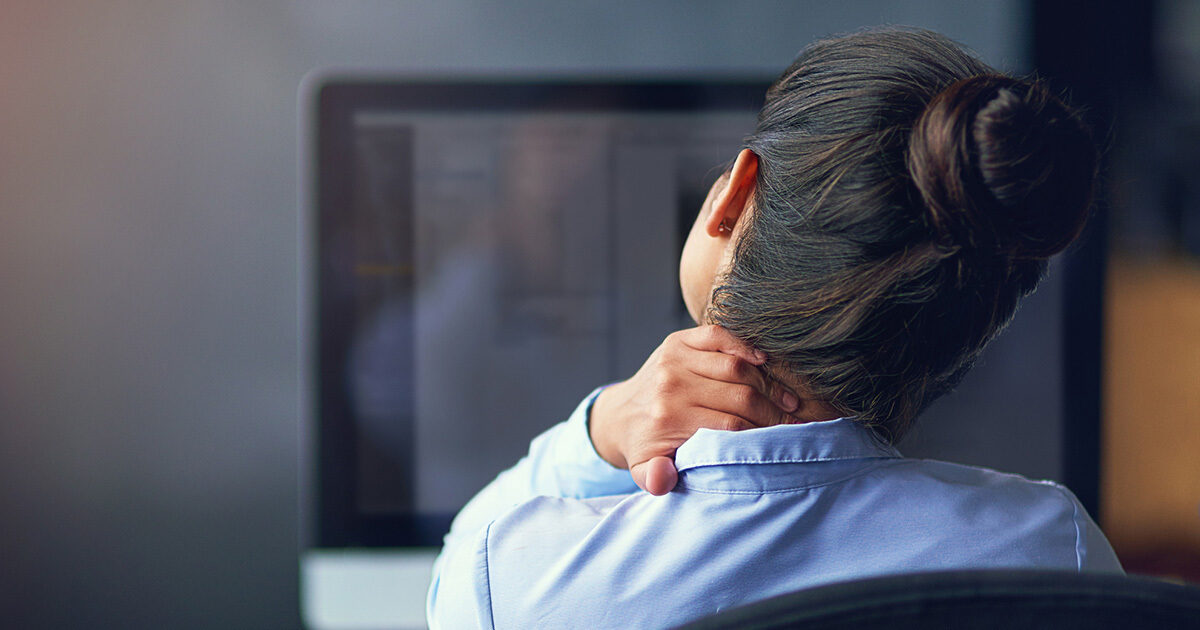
542	556
556	517
535	533
513	559
1013	519
982	492
976	480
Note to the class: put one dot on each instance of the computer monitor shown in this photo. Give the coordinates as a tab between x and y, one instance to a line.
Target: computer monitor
480	255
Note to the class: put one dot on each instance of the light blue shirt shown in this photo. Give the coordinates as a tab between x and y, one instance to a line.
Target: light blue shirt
563	539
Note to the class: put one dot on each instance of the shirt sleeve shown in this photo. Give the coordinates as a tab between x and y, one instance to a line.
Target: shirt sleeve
562	462
1093	553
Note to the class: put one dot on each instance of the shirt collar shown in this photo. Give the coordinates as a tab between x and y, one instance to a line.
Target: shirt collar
831	440
710	453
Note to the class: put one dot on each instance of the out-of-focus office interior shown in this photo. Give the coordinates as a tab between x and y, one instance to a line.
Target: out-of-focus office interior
1150	475
159	430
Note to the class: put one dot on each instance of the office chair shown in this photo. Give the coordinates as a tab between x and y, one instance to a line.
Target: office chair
1025	600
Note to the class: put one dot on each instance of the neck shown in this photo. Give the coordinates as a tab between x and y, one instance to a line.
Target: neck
811	408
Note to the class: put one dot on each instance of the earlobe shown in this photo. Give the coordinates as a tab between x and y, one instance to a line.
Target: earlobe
729	203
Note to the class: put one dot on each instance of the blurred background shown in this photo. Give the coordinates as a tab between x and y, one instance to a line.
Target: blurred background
150	205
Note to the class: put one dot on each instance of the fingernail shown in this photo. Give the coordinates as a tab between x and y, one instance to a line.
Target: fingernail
790	402
760	355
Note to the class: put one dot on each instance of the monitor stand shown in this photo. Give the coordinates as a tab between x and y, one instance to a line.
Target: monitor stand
360	589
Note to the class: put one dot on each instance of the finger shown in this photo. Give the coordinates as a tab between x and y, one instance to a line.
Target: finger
717	339
786	399
727	368
719	366
703	417
682	428
744	402
656	475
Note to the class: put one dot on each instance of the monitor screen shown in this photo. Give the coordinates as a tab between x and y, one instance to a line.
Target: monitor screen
488	255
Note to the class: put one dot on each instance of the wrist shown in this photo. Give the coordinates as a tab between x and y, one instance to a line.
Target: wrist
600	426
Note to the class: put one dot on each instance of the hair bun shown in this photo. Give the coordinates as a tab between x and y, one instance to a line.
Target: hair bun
1003	166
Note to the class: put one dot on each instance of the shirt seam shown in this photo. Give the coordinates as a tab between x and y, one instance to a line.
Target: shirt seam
1078	537
487	574
785	460
1079	540
791	489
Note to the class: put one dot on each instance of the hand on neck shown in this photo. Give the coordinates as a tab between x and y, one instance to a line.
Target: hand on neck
811	408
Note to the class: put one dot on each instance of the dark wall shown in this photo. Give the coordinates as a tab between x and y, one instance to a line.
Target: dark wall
1099	57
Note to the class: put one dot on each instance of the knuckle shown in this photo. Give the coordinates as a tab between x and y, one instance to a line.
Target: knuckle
731	423
659	413
731	367
665	383
661	357
744	396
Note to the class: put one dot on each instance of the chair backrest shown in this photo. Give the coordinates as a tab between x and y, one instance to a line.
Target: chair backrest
1025	600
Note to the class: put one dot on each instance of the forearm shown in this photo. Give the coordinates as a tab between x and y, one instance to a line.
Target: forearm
561	462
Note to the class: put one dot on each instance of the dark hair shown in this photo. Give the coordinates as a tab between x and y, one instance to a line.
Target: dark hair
907	198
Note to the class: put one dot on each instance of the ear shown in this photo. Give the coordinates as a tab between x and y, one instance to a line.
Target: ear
729	204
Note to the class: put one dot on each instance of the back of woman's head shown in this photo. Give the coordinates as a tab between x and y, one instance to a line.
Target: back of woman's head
907	198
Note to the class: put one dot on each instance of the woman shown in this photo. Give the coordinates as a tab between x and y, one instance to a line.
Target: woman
896	200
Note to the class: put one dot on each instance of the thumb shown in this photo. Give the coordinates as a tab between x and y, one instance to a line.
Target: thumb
656	475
